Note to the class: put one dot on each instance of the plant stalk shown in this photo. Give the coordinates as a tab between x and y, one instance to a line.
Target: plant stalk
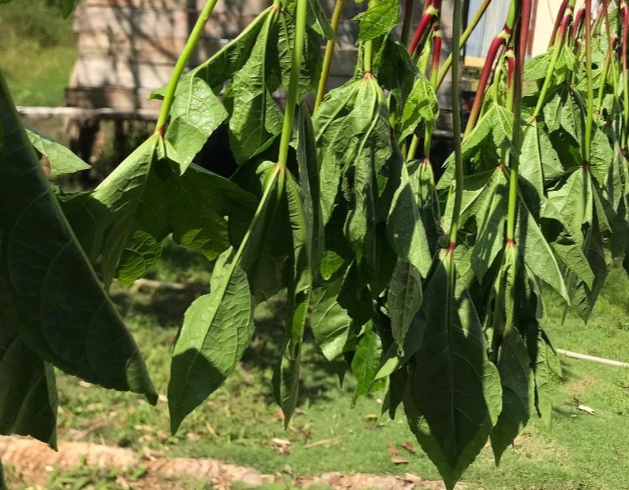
624	10
587	137
456	128
498	42
558	20
422	30
293	87
464	37
521	41
329	53
558	46
180	66
409	8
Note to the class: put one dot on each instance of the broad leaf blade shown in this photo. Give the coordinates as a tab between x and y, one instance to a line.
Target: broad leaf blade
216	330
379	19
49	294
404	300
28	396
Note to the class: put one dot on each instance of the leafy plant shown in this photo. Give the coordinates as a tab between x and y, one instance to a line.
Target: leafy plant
430	291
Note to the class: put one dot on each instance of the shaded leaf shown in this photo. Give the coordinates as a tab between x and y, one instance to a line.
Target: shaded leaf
49	294
404	299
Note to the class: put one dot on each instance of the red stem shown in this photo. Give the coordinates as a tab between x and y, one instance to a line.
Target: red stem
558	20
419	36
495	46
436	49
578	22
510	69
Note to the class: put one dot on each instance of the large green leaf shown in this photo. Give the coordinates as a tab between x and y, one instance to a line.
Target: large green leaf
366	362
216	330
453	398
539	163
421	105
50	296
546	370
195	115
28	396
62	160
329	321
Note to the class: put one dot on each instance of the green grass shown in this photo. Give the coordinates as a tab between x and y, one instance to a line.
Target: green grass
238	423
37	51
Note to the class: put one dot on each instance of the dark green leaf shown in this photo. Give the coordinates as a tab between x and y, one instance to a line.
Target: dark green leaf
138	258
49	294
404	299
62	160
453	397
547	371
421	106
329	321
318	20
28	396
366	362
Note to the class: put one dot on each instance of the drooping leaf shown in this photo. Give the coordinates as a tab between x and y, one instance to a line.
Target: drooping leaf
28	395
366	362
49	294
318	20
547	370
139	257
405	227
195	115
513	362
62	160
421	105
379	19
539	163
329	321
453	396
403	300
255	118
216	330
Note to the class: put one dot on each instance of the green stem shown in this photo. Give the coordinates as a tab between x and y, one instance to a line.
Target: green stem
367	56
558	46
587	137
181	64
521	41
456	127
464	37
293	86
329	53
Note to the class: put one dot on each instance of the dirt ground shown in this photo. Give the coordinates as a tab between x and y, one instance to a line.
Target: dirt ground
34	460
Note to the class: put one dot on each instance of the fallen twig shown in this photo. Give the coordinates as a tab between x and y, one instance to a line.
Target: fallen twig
324	441
585	357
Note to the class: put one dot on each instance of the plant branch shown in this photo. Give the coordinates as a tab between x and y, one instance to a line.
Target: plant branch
409	7
181	64
587	137
293	87
329	53
456	128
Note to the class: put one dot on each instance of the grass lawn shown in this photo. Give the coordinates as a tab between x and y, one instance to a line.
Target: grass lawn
238	423
37	52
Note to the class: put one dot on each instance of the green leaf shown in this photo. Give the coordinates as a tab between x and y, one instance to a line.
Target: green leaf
405	228
318	20
216	331
138	258
49	294
379	19
286	379
539	163
28	396
337	132
547	370
421	105
199	202
513	362
453	396
62	160
403	300
329	321
311	57
196	113
255	118
366	362
536	253
490	218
